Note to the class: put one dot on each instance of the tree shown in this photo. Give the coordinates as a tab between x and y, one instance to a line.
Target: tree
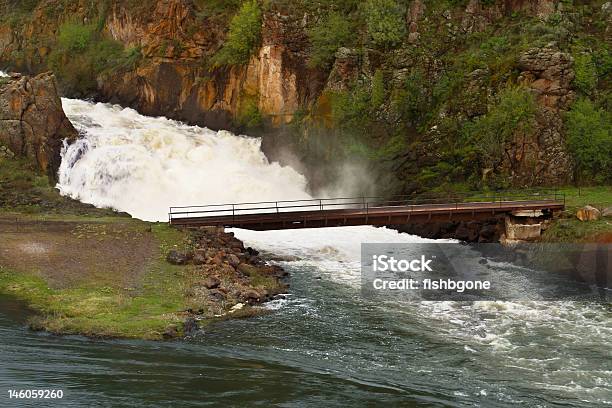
327	36
590	141
385	22
513	114
244	36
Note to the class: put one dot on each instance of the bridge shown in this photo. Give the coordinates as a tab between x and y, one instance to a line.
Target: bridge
378	211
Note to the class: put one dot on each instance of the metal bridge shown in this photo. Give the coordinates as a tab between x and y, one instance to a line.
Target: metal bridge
338	212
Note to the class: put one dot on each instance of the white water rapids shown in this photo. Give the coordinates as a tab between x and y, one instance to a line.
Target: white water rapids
144	165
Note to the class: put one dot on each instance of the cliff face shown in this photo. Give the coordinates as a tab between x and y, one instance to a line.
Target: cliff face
450	65
32	122
174	79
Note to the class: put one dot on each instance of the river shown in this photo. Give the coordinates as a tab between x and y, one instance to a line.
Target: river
324	345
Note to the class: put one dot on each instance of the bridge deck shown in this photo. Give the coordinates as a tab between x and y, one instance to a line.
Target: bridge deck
365	214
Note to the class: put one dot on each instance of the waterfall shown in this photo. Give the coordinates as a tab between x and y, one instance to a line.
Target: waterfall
144	165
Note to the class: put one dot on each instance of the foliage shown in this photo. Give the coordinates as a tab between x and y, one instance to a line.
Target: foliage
378	89
586	73
76	37
513	113
329	34
243	37
350	110
412	100
249	115
82	53
590	141
385	22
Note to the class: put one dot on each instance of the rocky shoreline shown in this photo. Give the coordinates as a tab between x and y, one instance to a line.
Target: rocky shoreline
229	278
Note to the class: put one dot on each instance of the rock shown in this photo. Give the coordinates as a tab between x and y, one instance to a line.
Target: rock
217	295
199	259
251	296
211	282
606	212
32	122
247	269
588	213
177	258
190	326
233	260
171	332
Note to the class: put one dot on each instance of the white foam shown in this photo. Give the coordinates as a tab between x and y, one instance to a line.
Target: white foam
143	165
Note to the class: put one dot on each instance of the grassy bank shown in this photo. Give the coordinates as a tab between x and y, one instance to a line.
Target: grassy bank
103	274
568	228
110	297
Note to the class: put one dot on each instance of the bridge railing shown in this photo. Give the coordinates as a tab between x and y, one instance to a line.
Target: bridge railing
360	203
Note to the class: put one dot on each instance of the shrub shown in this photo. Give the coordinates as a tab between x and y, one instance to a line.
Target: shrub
249	115
513	113
243	37
351	109
76	37
589	140
385	22
412	101
586	73
378	89
327	36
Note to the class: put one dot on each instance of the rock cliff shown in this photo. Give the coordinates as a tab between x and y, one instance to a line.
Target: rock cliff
446	69
32	122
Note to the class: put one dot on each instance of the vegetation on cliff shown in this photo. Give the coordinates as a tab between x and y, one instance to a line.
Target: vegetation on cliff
410	89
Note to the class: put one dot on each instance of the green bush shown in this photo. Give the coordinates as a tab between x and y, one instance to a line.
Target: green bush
412	101
513	113
385	22
351	109
379	92
590	141
76	37
586	73
243	38
327	36
249	115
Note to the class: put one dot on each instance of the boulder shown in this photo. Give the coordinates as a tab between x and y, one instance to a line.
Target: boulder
32	122
588	213
211	282
233	260
199	259
177	258
606	212
171	332
251	296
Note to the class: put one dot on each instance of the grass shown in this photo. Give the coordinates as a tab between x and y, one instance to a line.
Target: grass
570	229
108	310
87	295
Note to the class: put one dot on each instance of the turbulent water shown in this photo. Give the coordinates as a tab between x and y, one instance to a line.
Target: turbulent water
144	165
325	345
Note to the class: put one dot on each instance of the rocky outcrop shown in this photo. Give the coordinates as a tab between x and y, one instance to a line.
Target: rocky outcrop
540	157
32	122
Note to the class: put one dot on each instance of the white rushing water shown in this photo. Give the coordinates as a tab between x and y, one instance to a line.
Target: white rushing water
144	165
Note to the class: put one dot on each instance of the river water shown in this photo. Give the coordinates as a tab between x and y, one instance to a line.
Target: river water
324	345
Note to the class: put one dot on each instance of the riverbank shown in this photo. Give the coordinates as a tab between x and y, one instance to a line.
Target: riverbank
568	228
103	274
